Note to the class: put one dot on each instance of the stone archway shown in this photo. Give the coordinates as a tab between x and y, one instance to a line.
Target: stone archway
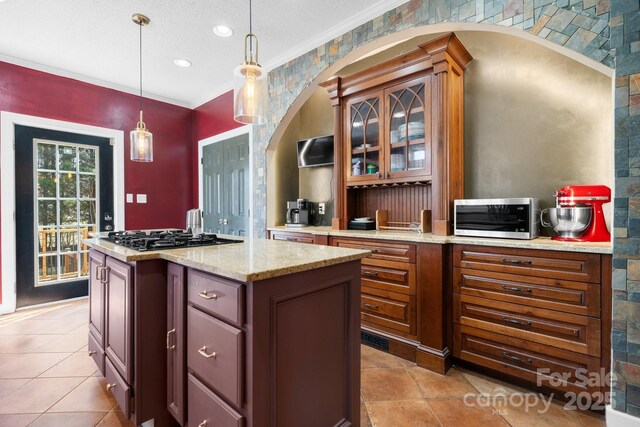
584	32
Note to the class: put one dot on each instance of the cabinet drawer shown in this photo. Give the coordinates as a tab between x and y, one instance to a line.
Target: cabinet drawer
117	386
96	353
292	237
523	359
388	309
381	250
562	330
215	295
214	354
581	267
388	276
207	409
570	297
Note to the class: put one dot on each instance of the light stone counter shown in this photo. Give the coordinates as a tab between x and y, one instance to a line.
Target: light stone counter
544	243
254	259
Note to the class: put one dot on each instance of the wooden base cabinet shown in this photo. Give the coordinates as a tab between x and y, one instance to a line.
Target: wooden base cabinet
265	353
535	315
404	300
127	327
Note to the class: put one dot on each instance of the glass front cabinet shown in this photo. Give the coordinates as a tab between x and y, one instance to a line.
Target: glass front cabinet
388	134
399	128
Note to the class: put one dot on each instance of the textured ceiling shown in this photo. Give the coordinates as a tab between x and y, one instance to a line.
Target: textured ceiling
96	41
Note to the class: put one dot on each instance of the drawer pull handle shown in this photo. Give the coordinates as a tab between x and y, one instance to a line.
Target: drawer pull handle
516	261
91	353
517	322
511	288
370	273
169	346
203	352
516	358
110	386
205	295
371	306
103	275
292	239
203	424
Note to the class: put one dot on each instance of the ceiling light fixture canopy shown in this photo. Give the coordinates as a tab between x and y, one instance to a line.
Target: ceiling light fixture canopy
250	84
141	139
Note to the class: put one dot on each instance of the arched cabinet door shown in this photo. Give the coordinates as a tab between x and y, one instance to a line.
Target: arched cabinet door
363	139
408	129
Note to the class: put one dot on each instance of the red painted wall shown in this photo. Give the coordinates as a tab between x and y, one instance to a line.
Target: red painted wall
212	118
168	181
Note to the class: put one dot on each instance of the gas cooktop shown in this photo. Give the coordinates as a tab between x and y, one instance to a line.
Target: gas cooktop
164	239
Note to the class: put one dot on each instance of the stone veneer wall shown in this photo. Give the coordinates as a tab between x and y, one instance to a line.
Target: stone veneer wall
607	31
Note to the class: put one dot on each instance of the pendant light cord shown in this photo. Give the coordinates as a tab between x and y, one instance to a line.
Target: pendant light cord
140	24
250	31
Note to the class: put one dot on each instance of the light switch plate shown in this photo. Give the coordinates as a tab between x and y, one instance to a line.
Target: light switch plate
129	198
141	198
321	208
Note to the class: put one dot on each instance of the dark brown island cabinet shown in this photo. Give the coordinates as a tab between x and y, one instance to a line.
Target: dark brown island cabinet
185	347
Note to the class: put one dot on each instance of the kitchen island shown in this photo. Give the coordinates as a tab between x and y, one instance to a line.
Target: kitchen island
253	333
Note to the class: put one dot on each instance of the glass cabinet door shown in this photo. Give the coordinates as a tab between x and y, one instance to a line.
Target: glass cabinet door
409	145
364	132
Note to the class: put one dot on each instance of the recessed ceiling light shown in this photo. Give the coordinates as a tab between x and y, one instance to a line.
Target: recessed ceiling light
222	31
181	62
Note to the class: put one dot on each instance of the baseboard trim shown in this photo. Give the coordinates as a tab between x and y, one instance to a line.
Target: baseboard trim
620	419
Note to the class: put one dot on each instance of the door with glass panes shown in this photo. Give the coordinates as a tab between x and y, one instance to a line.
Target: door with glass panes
64	193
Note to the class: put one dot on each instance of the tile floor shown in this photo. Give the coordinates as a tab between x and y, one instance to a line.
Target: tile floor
47	379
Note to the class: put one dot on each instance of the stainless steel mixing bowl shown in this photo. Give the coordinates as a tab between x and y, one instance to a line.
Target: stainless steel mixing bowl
567	222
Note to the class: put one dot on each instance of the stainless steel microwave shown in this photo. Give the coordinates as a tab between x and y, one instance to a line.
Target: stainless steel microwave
502	218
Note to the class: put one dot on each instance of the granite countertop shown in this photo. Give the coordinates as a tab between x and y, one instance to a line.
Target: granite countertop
254	259
544	243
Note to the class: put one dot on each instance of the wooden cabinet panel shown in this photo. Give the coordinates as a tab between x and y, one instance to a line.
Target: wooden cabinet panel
389	310
118	338
523	359
96	298
214	354
292	236
394	277
96	352
566	296
380	250
562	330
215	295
118	386
176	340
208	410
582	267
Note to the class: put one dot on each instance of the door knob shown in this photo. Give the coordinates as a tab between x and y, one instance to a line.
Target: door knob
108	227
220	221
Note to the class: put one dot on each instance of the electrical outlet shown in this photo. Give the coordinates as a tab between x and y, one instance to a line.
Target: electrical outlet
321	207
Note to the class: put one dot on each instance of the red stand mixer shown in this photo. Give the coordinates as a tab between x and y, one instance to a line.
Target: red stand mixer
578	216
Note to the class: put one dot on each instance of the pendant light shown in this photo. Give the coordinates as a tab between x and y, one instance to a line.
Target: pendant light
250	84
141	138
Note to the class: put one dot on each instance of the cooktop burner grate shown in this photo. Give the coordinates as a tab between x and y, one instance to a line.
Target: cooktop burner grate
164	239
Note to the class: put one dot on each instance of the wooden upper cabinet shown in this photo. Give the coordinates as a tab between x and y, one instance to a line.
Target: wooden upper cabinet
400	123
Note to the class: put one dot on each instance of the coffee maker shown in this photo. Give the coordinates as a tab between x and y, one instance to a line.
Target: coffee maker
298	213
578	215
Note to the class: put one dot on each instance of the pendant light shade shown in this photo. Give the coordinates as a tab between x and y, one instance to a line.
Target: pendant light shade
141	140
250	84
